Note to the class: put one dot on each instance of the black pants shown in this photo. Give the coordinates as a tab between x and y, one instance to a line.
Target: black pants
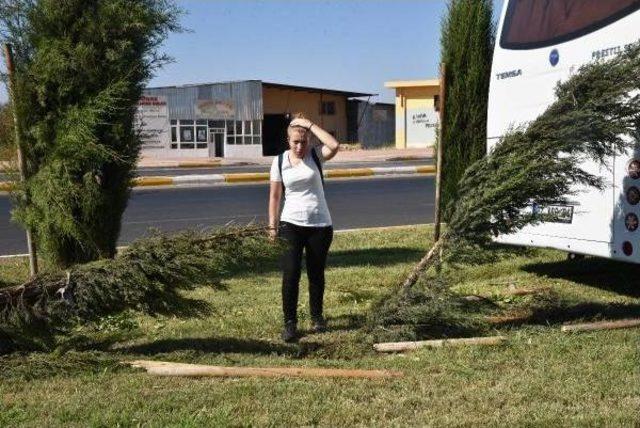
316	242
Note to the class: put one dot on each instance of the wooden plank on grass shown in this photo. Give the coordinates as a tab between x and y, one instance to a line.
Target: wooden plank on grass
602	325
162	368
439	343
526	291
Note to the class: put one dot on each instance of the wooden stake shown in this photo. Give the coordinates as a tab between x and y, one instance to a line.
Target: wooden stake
526	291
603	325
409	346
162	368
437	220
22	164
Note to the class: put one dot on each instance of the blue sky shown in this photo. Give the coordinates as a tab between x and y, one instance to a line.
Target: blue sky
354	45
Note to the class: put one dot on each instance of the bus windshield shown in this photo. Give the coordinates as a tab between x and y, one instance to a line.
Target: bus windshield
531	24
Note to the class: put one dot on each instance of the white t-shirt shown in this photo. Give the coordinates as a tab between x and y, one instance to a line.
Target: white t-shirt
304	202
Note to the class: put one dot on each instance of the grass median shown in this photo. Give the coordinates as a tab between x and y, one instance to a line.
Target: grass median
540	377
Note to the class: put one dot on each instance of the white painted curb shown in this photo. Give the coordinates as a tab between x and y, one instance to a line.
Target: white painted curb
199	179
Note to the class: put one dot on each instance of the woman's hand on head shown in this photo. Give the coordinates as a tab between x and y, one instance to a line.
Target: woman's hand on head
303	123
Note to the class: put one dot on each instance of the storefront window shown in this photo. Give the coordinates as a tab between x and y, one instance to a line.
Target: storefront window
186	134
328	108
201	134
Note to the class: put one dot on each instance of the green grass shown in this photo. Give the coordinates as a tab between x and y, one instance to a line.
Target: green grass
540	378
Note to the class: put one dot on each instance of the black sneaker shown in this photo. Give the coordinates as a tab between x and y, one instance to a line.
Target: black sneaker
318	325
289	333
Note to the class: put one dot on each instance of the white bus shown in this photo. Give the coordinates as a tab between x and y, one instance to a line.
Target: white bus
540	42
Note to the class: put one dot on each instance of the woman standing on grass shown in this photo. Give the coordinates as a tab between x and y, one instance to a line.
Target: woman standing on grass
305	222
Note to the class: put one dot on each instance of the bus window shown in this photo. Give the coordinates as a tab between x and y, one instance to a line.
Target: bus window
533	24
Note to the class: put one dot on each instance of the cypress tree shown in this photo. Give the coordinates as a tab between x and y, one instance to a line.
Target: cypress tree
467	37
81	68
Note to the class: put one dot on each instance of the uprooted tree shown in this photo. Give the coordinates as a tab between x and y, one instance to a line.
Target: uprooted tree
148	277
595	116
595	113
81	66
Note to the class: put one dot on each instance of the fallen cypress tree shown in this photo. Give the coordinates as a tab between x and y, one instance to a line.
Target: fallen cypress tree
147	277
596	115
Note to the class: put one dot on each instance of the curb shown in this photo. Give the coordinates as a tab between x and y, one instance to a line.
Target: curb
185	164
254	177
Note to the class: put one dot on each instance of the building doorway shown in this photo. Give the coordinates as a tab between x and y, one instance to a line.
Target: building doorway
216	142
274	134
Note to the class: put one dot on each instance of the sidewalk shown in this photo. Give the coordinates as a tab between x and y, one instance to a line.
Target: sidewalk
343	156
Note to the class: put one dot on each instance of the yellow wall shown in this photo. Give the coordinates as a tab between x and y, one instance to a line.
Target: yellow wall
281	101
411	97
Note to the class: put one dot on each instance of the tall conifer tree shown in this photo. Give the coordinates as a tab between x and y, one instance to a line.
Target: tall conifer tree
81	68
467	37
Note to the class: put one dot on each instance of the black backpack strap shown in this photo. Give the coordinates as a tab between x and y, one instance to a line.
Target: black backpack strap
280	157
316	159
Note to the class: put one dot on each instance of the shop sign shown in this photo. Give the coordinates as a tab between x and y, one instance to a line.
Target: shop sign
152	121
214	109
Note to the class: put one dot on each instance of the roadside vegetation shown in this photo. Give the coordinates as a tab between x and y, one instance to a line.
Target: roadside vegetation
7	148
540	377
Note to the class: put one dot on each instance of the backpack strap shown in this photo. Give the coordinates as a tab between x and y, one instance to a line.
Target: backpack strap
280	158
316	159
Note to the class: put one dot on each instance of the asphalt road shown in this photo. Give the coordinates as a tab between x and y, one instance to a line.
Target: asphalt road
353	203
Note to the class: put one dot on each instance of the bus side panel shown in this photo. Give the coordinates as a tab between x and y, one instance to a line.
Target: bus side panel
522	86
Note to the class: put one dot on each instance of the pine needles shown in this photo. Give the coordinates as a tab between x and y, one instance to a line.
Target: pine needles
147	277
596	115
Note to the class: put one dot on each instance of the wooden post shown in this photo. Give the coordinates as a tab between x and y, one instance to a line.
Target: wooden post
22	164
163	368
439	343
441	104
602	325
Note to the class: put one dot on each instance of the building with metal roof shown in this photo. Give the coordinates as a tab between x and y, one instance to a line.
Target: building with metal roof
242	119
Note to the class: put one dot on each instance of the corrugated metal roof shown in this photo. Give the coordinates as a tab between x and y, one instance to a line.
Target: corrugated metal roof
348	94
245	97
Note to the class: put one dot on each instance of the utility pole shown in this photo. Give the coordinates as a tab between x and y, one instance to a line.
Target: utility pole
22	164
440	153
